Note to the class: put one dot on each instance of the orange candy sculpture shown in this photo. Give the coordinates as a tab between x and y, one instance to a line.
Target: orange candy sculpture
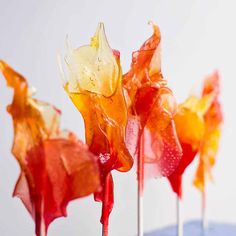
189	121
55	167
94	86
213	119
151	134
198	123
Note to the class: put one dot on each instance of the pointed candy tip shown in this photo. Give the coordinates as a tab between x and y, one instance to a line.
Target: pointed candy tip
61	71
99	39
216	73
150	22
100	32
211	82
155	27
100	26
68	43
2	65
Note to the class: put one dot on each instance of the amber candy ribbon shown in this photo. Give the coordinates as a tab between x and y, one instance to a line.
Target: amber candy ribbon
55	166
95	87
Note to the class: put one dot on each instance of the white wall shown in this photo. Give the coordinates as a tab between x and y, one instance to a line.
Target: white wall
198	36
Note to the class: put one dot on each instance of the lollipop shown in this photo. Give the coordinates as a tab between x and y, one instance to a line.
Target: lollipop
189	121
55	167
151	135
213	119
95	88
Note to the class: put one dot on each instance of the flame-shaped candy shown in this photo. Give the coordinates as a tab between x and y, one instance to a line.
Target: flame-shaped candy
95	88
151	107
189	121
213	119
55	167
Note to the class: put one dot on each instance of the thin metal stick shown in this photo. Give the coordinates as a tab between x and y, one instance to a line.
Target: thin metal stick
179	216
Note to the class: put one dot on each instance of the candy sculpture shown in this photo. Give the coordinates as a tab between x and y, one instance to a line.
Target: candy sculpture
94	85
189	121
151	135
213	119
55	167
127	117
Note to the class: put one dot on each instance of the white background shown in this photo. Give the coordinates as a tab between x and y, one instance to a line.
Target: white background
198	36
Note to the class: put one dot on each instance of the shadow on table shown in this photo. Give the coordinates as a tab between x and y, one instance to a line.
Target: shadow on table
193	228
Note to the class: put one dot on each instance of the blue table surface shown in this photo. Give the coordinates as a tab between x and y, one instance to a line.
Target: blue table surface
193	228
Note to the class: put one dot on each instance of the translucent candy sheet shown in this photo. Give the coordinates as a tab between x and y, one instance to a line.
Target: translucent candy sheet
151	108
55	166
94	86
213	119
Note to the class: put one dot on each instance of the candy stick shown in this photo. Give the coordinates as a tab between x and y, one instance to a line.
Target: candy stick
179	216
213	119
190	127
95	87
55	166
204	220
151	105
42	225
204	210
140	213
140	173
104	205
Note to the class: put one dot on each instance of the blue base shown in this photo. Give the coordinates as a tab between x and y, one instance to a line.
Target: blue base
193	228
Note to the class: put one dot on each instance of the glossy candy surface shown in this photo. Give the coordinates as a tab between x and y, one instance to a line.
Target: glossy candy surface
55	167
189	121
94	86
151	134
213	119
